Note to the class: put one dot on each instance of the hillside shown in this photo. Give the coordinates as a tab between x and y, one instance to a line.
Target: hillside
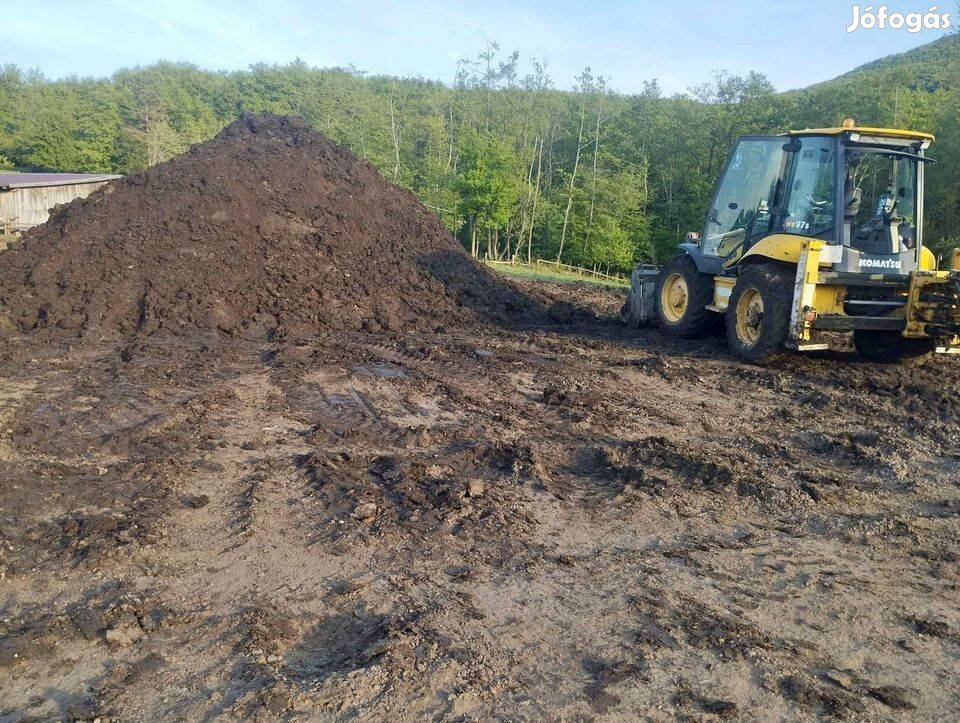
930	67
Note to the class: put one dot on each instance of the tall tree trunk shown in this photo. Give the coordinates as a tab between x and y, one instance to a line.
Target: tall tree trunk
573	178
593	187
533	212
450	147
396	142
525	211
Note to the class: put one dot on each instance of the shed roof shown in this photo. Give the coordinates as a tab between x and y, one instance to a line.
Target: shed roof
35	180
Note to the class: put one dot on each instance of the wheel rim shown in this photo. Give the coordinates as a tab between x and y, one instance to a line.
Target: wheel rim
749	317
674	297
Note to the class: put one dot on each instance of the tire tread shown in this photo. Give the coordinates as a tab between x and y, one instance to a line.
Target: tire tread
775	284
697	320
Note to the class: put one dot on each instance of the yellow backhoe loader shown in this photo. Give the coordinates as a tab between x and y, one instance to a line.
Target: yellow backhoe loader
812	231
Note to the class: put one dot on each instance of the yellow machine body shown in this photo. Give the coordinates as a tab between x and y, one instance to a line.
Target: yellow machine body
796	213
788	248
819	298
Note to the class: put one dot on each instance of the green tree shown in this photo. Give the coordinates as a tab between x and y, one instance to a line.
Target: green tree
487	187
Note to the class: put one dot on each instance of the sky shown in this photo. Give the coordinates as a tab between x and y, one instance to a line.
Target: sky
678	42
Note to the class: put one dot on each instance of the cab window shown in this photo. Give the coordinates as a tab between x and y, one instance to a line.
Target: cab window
881	194
746	194
810	205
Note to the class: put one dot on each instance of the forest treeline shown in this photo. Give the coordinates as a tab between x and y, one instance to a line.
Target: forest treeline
512	165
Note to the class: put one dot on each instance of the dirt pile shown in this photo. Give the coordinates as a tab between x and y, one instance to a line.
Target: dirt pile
268	227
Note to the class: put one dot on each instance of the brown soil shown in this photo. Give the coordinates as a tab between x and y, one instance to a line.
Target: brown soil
543	516
268	228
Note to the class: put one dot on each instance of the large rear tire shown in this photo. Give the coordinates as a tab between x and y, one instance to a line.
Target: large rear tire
888	347
758	314
682	295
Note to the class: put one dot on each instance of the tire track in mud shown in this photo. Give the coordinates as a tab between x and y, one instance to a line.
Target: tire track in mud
230	538
248	481
304	676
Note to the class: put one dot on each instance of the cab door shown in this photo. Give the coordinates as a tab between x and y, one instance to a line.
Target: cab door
743	206
810	200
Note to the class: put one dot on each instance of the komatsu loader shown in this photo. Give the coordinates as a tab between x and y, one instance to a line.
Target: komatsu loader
812	231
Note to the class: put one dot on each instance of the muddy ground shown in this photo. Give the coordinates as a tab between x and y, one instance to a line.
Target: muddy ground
567	520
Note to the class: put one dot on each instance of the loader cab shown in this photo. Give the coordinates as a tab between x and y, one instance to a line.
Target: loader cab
858	189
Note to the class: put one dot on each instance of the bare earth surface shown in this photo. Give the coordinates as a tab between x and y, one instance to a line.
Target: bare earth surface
542	521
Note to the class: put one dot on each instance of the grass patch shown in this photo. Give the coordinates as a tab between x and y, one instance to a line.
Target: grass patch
546	272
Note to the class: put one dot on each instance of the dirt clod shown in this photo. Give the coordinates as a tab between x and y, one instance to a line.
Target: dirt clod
476	488
196	501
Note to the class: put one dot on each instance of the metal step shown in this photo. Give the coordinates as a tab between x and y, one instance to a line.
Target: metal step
808	346
842	322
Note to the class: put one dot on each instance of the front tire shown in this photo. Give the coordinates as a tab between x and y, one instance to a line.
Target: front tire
682	295
889	347
758	314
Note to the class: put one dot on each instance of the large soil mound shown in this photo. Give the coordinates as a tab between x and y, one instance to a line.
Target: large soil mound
269	226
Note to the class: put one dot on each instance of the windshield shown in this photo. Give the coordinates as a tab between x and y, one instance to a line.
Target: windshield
881	202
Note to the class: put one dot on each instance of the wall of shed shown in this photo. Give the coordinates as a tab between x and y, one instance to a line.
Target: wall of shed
26	207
